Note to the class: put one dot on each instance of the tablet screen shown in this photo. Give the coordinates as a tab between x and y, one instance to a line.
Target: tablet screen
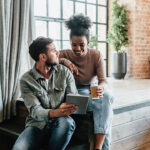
79	100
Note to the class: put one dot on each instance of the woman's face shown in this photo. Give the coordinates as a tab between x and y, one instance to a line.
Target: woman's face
79	45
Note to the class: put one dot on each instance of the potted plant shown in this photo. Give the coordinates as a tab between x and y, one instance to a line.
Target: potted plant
117	36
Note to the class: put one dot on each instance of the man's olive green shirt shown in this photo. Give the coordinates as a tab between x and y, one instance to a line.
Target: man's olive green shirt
41	96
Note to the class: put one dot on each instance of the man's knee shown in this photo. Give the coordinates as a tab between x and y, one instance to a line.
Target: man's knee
67	123
21	145
28	139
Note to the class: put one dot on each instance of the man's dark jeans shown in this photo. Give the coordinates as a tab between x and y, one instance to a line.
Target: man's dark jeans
57	134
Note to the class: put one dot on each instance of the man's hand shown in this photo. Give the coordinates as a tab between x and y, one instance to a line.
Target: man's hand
73	69
65	109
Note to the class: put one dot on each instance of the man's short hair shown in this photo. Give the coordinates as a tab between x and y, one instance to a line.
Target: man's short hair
38	46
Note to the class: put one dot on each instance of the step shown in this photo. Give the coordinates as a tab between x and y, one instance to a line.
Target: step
131	127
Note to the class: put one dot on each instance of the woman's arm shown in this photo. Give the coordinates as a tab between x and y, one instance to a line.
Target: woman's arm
63	59
100	72
66	62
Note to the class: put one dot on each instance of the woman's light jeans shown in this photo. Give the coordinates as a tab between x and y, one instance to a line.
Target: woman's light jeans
102	113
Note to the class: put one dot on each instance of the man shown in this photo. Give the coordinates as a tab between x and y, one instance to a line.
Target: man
43	89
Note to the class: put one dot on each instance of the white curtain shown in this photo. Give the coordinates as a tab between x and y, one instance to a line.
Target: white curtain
16	18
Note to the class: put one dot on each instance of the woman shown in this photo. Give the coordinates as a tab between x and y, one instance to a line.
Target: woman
87	64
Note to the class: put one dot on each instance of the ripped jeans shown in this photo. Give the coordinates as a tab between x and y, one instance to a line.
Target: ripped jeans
102	113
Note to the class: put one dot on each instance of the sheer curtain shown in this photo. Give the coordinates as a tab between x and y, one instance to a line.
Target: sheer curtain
16	22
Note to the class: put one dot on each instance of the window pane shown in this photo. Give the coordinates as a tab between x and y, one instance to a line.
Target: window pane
41	28
93	30
40	7
66	33
80	8
102	49
91	1
66	45
81	0
54	8
91	12
54	30
102	14
67	9
102	2
102	32
58	45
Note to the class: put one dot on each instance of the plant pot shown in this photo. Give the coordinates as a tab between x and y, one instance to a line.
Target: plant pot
119	67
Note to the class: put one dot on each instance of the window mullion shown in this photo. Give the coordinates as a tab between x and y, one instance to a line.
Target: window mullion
61	24
85	7
74	7
97	21
47	14
106	42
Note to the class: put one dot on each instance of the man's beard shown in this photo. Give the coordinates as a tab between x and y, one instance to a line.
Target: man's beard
50	64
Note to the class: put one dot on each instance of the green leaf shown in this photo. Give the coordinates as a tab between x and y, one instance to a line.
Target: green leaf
93	42
117	35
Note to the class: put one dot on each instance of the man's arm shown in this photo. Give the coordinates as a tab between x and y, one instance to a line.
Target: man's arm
32	103
71	86
66	109
37	111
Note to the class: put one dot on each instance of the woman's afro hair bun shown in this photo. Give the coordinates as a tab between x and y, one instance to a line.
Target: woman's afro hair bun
78	21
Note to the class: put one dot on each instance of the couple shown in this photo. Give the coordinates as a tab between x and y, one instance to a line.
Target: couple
44	88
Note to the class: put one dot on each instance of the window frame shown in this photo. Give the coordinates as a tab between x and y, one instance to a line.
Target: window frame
61	20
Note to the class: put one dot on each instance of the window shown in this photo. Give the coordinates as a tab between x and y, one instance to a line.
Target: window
51	14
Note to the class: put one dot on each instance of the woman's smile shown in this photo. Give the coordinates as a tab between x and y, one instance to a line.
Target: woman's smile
78	52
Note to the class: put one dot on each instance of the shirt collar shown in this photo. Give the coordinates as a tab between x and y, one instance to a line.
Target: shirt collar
55	68
37	75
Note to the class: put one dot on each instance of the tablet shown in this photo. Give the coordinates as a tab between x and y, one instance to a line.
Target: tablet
79	100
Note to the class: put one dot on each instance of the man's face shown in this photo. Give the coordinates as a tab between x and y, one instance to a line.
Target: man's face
79	45
52	55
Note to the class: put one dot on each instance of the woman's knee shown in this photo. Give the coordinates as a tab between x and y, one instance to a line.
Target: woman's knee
105	102
108	97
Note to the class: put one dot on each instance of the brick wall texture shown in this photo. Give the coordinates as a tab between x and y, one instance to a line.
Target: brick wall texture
139	38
